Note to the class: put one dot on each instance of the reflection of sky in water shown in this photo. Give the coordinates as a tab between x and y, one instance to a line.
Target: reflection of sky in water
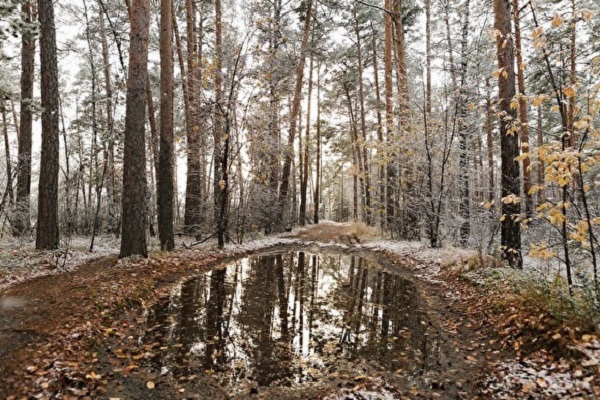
288	317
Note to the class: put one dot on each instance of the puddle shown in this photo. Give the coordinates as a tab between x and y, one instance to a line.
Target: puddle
288	319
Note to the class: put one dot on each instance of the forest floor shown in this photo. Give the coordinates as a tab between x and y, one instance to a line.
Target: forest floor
74	333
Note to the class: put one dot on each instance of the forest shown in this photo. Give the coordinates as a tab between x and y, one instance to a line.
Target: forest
332	199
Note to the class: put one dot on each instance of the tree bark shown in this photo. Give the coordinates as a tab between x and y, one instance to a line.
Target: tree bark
389	119
165	183
47	236
490	139
9	176
193	191
21	223
317	193
380	143
509	143
464	159
305	168
133	239
363	124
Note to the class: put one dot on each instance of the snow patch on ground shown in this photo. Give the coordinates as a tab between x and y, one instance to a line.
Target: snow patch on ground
19	261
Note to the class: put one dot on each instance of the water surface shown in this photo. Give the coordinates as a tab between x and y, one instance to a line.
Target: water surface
285	319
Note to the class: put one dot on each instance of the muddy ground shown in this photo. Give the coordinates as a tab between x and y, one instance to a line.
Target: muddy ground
76	335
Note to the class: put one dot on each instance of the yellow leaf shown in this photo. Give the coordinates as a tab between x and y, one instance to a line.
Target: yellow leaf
514	104
537	32
538	101
569	91
557	21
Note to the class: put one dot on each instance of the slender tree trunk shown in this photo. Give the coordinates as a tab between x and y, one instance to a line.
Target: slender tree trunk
133	239
408	227
380	143
357	174
193	191
274	131
490	139
47	237
67	173
15	119
21	222
363	124
572	75
428	58
389	120
165	183
98	179
509	144
109	139
317	193
289	153
9	175
218	118
523	118
305	169
464	159
540	144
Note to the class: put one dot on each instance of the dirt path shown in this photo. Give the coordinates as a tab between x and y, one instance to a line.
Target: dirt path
65	334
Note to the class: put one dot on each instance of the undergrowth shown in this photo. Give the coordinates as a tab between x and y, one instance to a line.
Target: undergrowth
538	293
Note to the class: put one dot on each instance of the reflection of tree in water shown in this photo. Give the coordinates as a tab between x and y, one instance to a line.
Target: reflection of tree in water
278	316
215	333
264	297
382	319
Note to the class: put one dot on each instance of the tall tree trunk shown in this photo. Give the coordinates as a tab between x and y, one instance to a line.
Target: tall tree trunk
317	193
305	169
380	143
21	222
193	191
135	187
428	58
47	236
109	138
490	138
218	118
363	124
464	167
509	144
98	179
274	131
540	144
523	118
389	119
289	152
9	176
165	183
357	174
408	227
